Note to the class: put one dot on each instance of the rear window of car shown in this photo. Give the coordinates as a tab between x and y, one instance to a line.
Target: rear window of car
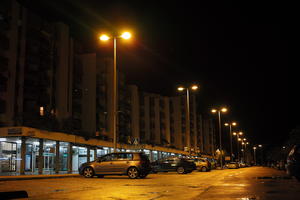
144	157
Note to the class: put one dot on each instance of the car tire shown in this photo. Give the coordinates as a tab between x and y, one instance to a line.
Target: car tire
88	172
100	176
133	173
180	170
204	169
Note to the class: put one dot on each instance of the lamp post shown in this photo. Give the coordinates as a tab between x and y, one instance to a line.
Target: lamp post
238	139
223	110
125	35
187	115
230	133
254	154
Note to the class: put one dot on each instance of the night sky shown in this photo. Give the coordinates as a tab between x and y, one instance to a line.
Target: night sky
237	51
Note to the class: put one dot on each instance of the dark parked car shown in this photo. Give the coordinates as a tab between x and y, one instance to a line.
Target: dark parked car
293	162
180	165
133	164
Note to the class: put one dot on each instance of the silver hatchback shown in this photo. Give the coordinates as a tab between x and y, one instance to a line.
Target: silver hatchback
133	164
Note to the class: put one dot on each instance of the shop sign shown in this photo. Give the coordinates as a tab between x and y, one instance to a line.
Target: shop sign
14	131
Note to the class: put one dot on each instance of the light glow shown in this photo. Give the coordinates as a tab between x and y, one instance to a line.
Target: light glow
180	88
224	110
234	123
213	110
226	124
194	87
126	35
104	37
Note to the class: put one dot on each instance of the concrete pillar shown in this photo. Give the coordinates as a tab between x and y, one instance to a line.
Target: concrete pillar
151	156
41	156
70	155
23	152
95	153
57	164
88	154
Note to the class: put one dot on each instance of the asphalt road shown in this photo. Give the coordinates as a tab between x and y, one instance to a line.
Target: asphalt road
254	183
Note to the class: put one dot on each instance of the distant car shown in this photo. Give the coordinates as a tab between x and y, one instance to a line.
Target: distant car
133	164
241	165
202	164
180	165
293	162
232	165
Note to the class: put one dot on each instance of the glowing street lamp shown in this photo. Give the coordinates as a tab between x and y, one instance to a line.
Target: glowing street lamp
230	129
125	35
187	133
223	110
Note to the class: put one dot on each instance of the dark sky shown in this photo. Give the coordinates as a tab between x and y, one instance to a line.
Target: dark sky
237	51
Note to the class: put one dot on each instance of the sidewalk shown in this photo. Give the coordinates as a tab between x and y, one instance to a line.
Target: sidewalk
30	177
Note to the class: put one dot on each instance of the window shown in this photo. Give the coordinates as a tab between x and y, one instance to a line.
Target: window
124	156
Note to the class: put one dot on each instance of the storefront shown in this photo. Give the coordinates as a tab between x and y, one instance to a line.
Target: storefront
26	150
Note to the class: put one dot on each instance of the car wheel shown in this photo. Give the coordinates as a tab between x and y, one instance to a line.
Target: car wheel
88	172
133	172
180	170
100	176
203	169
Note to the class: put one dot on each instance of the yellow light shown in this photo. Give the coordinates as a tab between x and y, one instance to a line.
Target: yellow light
234	133
239	139
233	123
104	37
240	133
194	87
224	110
243	143
259	145
226	124
247	142
213	110
42	111
244	139
180	88
254	148
126	35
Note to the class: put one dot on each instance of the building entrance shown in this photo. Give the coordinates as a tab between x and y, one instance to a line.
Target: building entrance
8	157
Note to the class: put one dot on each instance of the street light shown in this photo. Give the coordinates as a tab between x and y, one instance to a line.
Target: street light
238	139
254	149
230	129
187	133
125	35
223	110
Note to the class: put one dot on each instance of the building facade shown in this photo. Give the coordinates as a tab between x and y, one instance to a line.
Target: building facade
56	108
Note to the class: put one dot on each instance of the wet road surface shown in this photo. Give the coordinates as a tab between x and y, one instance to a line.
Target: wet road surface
254	183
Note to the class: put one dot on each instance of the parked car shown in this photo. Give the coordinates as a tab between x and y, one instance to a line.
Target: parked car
180	165
133	164
293	162
202	164
232	165
241	164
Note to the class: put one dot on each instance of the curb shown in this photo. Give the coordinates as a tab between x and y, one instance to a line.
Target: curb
30	177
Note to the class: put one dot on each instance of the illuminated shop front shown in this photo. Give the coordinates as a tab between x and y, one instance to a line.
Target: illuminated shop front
31	151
